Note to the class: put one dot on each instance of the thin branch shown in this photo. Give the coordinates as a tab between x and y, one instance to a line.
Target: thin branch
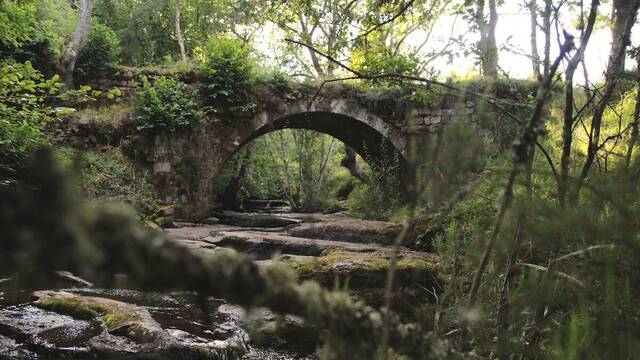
522	155
388	21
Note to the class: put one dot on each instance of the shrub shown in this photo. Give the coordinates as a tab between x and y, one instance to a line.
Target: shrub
18	22
23	111
109	176
101	50
166	104
384	63
228	71
380	198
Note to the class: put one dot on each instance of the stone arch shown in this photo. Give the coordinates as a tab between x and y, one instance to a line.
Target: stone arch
361	136
204	149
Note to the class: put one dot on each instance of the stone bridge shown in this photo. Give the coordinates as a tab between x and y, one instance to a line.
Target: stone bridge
185	163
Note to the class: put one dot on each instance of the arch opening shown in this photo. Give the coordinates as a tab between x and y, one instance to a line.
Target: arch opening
331	134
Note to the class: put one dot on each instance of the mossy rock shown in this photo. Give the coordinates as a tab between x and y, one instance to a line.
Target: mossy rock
368	270
119	318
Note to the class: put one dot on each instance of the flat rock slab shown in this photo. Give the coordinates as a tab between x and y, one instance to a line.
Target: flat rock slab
349	230
255	219
265	245
369	269
198	232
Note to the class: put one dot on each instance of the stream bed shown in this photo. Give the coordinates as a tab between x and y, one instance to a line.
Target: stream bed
28	331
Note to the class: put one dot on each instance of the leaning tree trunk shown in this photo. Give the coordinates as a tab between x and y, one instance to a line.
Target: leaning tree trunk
230	198
179	37
350	162
67	61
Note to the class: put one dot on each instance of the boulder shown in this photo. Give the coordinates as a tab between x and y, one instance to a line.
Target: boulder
357	231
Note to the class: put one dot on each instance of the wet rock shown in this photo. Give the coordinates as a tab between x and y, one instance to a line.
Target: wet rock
357	231
129	328
255	219
265	245
11	349
276	331
120	318
229	348
45	329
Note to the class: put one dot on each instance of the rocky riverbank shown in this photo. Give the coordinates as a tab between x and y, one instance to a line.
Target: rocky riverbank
75	320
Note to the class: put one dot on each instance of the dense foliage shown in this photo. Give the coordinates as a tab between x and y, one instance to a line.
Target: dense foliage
25	106
166	104
228	71
101	51
34	31
381	197
301	166
17	23
110	177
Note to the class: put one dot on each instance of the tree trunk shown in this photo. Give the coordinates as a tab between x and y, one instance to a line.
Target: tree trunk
567	130
535	57
179	37
230	199
487	45
349	161
624	15
546	27
491	56
69	55
636	118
